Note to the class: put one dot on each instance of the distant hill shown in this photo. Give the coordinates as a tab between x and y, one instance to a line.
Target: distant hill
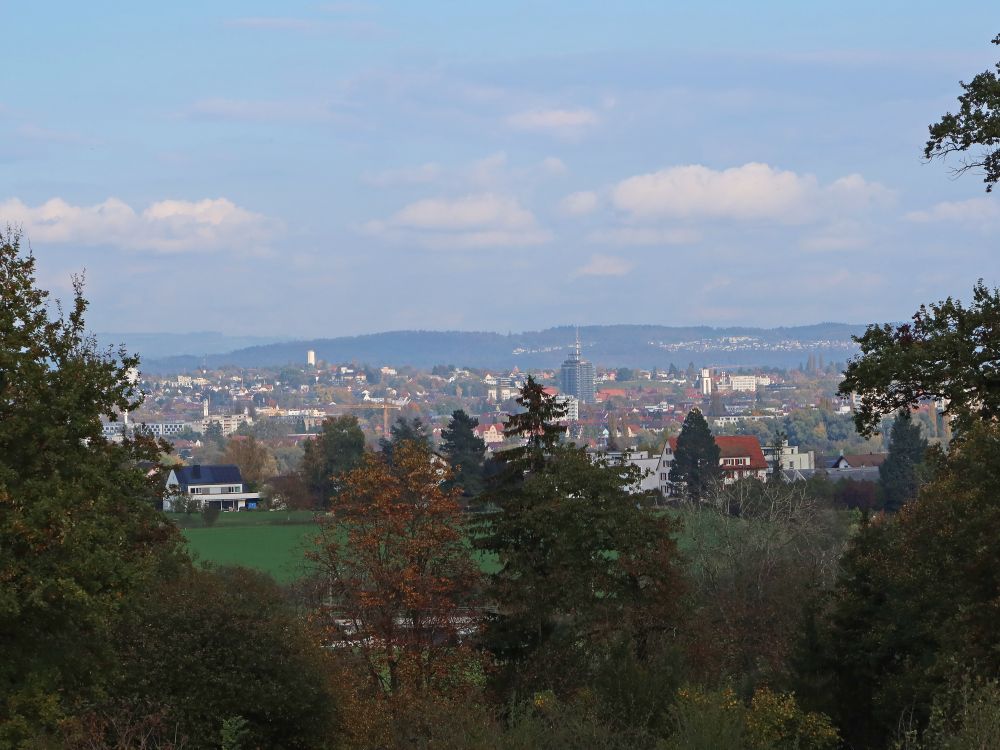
160	345
618	345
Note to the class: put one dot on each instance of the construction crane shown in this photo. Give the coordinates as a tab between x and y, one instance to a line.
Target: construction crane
385	406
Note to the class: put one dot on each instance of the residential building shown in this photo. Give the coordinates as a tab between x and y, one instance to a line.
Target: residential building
858	461
218	485
740	457
572	406
228	423
788	458
649	466
492	434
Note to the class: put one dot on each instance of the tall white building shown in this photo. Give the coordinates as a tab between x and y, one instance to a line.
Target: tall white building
311	358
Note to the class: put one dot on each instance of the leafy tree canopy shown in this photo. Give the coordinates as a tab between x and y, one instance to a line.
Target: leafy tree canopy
976	126
948	352
338	448
79	531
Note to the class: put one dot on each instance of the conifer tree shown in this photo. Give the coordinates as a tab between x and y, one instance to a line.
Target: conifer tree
465	451
898	474
696	460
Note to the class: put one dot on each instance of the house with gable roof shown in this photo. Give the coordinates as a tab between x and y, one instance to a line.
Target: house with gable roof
209	485
740	457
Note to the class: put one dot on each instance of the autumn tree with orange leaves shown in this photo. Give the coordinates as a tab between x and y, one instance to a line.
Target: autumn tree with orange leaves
395	578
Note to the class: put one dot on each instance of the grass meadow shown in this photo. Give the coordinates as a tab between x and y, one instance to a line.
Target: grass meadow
274	542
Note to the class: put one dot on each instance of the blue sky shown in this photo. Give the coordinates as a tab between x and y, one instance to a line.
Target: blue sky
323	169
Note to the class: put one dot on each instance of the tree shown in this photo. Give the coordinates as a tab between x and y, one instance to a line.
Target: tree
255	459
696	460
465	451
536	425
949	352
337	449
580	564
915	603
405	430
898	474
756	554
214	646
976	126
393	571
79	529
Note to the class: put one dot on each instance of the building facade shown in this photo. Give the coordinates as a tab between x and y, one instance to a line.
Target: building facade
220	485
576	377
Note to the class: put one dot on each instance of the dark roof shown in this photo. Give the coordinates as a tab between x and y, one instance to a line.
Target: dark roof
208	474
860	460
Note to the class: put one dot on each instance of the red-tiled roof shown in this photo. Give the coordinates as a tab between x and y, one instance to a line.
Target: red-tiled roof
737	446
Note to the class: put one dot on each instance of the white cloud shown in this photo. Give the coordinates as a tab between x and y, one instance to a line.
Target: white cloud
493	172
980	211
605	265
464	213
750	192
553	165
166	226
579	204
482	220
559	122
645	236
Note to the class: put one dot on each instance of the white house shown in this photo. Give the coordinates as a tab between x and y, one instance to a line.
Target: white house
217	485
648	465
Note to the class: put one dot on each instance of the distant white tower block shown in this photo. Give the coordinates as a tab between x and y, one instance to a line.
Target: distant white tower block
311	358
706	382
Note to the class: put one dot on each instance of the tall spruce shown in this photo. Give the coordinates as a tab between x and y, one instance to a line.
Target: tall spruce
696	460
405	430
465	451
898	474
580	565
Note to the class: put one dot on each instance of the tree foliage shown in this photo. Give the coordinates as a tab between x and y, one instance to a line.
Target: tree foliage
337	449
975	126
465	451
916	599
212	647
537	425
405	430
394	573
898	474
255	459
696	460
78	529
948	352
580	564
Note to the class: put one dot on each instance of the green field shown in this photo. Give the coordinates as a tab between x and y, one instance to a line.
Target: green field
274	542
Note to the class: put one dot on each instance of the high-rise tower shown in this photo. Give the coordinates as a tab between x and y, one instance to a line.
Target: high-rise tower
577	375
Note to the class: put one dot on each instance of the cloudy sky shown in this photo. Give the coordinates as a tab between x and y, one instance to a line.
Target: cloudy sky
321	169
